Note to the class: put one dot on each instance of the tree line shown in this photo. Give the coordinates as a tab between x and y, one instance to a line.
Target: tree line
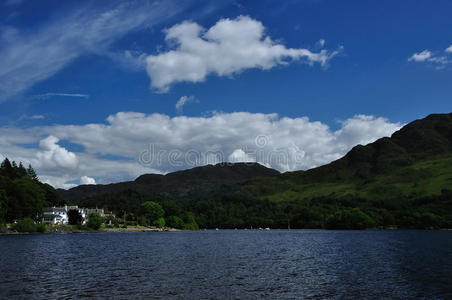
22	195
239	209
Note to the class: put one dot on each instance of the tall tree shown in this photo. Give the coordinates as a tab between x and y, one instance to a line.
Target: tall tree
21	171
152	211
31	173
7	169
74	217
95	221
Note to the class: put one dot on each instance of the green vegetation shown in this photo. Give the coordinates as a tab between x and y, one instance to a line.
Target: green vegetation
29	226
349	219
21	193
74	217
160	222
175	222
94	221
138	209
404	198
152	213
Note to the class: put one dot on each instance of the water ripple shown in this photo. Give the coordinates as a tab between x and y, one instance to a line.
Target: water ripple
309	264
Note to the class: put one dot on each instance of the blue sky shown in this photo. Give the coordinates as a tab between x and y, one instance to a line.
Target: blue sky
73	73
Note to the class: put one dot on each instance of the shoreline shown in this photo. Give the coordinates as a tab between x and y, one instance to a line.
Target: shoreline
68	230
61	229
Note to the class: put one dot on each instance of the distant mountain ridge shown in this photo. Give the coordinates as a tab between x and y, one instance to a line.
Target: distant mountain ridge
417	141
178	184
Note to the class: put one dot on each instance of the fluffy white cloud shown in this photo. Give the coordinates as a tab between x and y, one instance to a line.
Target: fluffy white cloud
421	56
130	144
362	129
54	156
182	101
87	180
228	47
238	155
449	49
28	57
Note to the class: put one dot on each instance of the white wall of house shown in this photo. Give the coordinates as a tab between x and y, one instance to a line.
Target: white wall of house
58	215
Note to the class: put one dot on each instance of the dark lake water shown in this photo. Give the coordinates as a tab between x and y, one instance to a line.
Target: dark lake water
276	264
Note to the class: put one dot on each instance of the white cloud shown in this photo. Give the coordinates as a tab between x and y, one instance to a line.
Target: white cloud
421	56
131	144
362	129
37	117
49	95
238	155
59	182
87	180
28	57
182	101
54	156
449	49
427	56
228	47
32	117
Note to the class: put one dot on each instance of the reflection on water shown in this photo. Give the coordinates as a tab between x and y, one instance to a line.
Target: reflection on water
309	264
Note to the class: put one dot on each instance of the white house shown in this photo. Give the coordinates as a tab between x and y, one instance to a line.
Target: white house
55	215
59	215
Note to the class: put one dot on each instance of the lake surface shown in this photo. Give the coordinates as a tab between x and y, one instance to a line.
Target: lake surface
229	264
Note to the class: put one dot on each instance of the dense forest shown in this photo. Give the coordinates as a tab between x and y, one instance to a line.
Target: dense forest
22	195
239	209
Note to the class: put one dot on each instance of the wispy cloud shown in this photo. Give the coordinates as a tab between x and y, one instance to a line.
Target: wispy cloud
438	60
32	117
28	57
421	56
182	101
49	95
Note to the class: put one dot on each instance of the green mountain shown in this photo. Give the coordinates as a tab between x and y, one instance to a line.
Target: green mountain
415	161
400	181
404	180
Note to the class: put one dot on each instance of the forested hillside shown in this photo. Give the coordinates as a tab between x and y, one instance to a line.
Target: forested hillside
22	195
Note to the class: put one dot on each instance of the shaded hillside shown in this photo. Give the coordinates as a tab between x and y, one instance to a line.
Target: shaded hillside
419	140
180	184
